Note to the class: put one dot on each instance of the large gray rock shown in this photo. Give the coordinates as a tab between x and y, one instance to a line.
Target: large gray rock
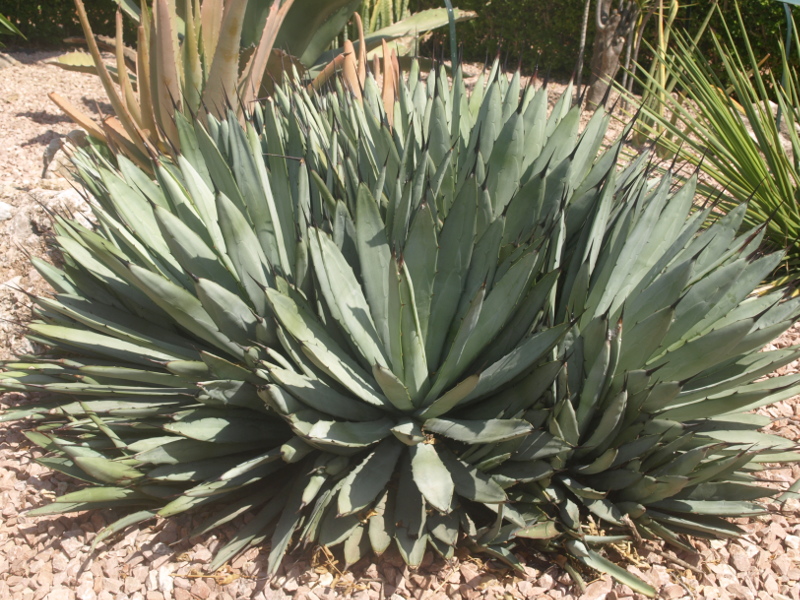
7	61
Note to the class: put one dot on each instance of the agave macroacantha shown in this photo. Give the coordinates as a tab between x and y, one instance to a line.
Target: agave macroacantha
467	327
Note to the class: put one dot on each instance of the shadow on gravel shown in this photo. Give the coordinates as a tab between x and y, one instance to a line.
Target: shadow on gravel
43	139
44	117
100	109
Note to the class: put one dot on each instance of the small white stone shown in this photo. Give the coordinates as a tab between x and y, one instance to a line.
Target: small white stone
325	580
165	583
5	211
58	593
152	581
85	591
793	541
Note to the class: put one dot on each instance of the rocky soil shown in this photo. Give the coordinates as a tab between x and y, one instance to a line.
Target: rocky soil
49	557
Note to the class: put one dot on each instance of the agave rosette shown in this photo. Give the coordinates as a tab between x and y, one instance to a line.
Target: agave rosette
467	327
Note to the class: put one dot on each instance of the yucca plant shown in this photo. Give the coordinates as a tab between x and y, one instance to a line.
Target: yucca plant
726	121
7	27
467	327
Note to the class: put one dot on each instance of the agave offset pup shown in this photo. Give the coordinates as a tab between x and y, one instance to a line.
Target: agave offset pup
466	327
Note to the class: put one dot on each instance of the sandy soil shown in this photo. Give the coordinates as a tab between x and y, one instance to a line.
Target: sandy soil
49	558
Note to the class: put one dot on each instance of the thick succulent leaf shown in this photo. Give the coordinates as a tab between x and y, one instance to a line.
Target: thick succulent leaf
410	511
319	396
366	482
245	251
381	526
225	429
326	353
100	345
121	525
393	388
701	524
726	508
191	251
544	530
415	371
479	432
233	316
374	257
450	399
532	470
595	561
253	532
471	483
343	295
522	358
538	445
286	526
492	315
64	465
350	435
432	476
601	437
93	498
311	25
106	470
184	307
455	250
421	257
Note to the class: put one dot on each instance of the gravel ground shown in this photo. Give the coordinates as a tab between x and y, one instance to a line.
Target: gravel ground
49	558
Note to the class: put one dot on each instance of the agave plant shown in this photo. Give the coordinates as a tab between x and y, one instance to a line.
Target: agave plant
466	327
217	55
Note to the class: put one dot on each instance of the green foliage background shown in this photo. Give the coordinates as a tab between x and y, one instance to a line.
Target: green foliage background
765	19
48	22
547	33
530	31
533	32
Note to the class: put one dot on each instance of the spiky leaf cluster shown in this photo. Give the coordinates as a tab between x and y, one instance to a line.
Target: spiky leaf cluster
466	327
